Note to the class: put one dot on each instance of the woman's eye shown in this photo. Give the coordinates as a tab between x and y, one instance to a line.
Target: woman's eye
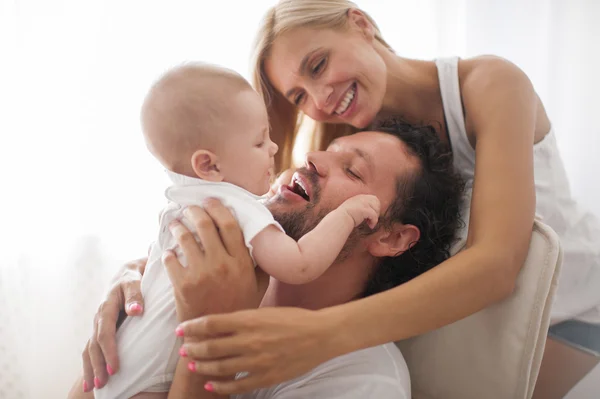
298	98
319	67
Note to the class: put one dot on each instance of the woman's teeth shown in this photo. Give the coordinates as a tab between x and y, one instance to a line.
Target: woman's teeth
346	101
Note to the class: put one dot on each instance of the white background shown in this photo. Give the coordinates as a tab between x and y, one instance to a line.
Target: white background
80	194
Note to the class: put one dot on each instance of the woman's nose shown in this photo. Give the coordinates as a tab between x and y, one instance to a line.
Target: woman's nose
323	99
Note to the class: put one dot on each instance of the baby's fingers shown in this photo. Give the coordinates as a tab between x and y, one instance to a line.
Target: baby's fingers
375	204
372	218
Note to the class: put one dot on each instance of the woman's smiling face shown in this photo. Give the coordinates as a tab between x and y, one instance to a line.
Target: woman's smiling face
333	76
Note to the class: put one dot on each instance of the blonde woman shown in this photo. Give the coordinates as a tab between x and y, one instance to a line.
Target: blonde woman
327	59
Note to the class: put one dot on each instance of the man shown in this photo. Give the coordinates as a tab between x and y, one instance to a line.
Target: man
410	172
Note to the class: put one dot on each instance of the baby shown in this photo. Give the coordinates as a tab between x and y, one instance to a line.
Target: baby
210	130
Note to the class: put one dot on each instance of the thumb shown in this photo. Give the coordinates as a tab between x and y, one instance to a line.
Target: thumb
373	219
371	222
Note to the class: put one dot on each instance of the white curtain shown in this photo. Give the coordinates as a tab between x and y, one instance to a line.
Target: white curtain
80	194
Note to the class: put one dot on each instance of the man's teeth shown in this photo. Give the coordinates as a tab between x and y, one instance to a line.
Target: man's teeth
301	187
346	101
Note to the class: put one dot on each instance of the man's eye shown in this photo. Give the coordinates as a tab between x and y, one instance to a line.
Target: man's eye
352	174
298	98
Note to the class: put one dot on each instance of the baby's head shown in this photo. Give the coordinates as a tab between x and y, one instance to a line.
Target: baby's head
205	121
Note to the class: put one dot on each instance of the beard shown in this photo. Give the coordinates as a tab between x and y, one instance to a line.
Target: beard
297	223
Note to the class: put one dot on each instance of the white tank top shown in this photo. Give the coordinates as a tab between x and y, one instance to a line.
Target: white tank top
578	294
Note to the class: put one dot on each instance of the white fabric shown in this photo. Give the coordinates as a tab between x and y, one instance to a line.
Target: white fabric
578	293
248	209
379	372
495	353
147	345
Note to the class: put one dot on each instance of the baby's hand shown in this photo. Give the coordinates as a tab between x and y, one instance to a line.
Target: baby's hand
361	208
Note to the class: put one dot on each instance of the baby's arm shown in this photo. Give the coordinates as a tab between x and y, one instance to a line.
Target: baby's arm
299	262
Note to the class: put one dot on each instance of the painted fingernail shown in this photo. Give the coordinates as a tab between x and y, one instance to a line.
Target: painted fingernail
179	332
135	307
96	382
85	386
209	387
182	351
192	366
109	369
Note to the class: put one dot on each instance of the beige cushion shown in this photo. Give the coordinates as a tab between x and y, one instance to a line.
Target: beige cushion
495	353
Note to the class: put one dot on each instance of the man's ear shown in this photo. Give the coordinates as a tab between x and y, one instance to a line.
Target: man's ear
359	20
206	166
394	241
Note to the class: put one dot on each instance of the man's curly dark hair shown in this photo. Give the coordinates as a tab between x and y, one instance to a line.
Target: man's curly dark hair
429	199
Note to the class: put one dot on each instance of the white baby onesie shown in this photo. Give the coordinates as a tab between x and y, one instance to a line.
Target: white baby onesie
147	346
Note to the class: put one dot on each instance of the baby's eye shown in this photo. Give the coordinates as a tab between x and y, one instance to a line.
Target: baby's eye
261	144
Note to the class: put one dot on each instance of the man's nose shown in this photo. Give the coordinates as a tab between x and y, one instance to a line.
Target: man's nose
318	162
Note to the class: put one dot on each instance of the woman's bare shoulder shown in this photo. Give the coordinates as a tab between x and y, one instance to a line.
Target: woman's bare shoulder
482	70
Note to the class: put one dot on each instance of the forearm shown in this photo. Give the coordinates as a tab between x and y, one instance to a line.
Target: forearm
187	384
299	262
457	288
320	247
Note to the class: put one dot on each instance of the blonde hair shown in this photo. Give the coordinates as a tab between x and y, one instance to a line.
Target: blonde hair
285	119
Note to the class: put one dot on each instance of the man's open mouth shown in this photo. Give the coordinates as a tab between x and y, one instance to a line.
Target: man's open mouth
300	187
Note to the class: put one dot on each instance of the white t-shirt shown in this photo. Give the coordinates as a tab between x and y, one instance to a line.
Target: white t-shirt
147	346
379	372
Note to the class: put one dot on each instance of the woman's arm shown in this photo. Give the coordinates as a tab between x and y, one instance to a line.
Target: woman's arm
281	344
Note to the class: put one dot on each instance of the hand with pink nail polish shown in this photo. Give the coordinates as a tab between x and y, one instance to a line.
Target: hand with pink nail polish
100	360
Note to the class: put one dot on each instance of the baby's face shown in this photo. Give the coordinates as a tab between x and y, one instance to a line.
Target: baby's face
248	156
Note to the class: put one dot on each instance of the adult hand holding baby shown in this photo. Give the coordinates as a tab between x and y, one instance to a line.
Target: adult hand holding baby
224	274
220	276
100	353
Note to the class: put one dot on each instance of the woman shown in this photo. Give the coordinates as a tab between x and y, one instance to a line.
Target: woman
328	60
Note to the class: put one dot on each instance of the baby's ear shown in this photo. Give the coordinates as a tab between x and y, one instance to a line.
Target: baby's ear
206	166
